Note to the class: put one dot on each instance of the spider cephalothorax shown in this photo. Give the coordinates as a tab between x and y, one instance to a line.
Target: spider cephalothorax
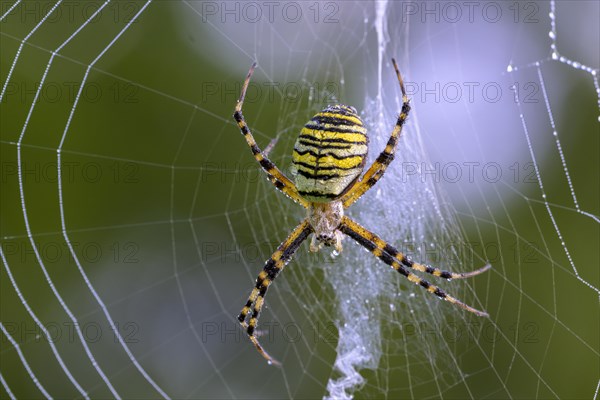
325	218
329	157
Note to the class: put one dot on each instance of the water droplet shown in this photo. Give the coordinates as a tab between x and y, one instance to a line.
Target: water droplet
555	133
392	307
576	64
509	68
551	15
552	35
554	55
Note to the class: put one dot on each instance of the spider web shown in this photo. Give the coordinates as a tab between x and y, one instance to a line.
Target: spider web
134	220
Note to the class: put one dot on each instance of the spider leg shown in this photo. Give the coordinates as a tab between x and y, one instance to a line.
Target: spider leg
385	253
272	268
274	174
269	147
407	262
376	171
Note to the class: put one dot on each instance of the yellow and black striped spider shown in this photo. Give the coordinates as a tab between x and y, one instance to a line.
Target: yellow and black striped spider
329	157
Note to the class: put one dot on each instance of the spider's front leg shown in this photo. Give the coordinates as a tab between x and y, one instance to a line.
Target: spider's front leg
272	268
390	255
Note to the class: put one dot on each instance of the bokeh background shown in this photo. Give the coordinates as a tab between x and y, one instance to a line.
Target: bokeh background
162	220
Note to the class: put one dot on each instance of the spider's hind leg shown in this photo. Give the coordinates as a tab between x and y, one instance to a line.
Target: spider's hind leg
274	174
378	168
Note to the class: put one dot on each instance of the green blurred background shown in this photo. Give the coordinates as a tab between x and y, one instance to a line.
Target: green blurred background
171	220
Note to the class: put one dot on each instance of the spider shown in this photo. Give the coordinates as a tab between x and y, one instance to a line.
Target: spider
329	157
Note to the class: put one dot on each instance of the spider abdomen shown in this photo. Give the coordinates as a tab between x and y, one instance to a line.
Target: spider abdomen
330	153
